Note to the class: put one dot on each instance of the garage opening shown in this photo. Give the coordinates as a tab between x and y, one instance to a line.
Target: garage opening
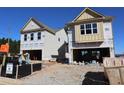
90	55
34	54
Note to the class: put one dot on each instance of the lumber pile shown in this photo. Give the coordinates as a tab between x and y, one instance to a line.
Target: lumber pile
114	70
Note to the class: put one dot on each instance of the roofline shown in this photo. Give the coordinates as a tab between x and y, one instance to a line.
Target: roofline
84	11
25	24
40	24
107	18
33	30
46	27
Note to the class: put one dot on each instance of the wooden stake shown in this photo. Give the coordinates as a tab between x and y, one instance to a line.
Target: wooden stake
17	71
41	65
4	59
0	69
31	68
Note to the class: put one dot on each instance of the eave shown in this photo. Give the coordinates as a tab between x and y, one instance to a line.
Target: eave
103	19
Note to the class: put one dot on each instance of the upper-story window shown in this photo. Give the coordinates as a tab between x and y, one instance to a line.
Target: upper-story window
39	35
25	37
106	29
32	36
94	25
82	27
89	28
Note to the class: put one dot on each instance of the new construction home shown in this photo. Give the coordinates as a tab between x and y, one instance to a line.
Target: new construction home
90	37
41	42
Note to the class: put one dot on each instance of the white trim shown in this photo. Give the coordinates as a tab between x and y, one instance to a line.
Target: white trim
38	35
84	11
91	28
25	37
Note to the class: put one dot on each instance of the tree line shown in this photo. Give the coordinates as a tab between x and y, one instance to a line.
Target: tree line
14	45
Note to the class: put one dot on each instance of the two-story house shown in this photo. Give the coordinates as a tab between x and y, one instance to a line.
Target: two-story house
90	37
42	42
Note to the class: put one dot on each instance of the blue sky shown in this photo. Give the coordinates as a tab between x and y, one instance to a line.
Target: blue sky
13	19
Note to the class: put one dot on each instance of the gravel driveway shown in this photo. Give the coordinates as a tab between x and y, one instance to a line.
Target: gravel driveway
63	74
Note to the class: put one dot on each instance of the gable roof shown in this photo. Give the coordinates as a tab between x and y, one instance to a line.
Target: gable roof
92	12
41	25
97	17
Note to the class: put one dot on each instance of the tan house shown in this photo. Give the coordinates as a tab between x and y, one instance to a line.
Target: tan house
90	37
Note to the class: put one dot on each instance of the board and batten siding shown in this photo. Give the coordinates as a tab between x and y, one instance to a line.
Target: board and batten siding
89	37
85	16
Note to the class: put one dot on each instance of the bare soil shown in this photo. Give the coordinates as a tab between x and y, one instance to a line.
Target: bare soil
64	74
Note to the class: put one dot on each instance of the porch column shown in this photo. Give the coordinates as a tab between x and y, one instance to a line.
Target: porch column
112	52
70	56
70	48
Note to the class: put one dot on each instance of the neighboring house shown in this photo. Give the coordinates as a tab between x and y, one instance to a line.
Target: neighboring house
41	42
61	44
90	37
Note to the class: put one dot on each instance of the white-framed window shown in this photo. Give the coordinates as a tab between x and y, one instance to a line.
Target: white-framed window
89	28
32	36
39	35
94	26
82	28
106	29
25	37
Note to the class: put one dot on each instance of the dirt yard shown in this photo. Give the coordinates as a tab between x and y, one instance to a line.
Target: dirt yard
64	74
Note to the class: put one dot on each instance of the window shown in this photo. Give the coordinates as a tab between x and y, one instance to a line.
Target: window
39	35
94	27
25	37
32	36
90	28
106	29
82	29
83	53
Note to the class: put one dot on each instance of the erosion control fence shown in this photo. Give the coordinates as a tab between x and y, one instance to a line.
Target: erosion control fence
114	70
17	71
